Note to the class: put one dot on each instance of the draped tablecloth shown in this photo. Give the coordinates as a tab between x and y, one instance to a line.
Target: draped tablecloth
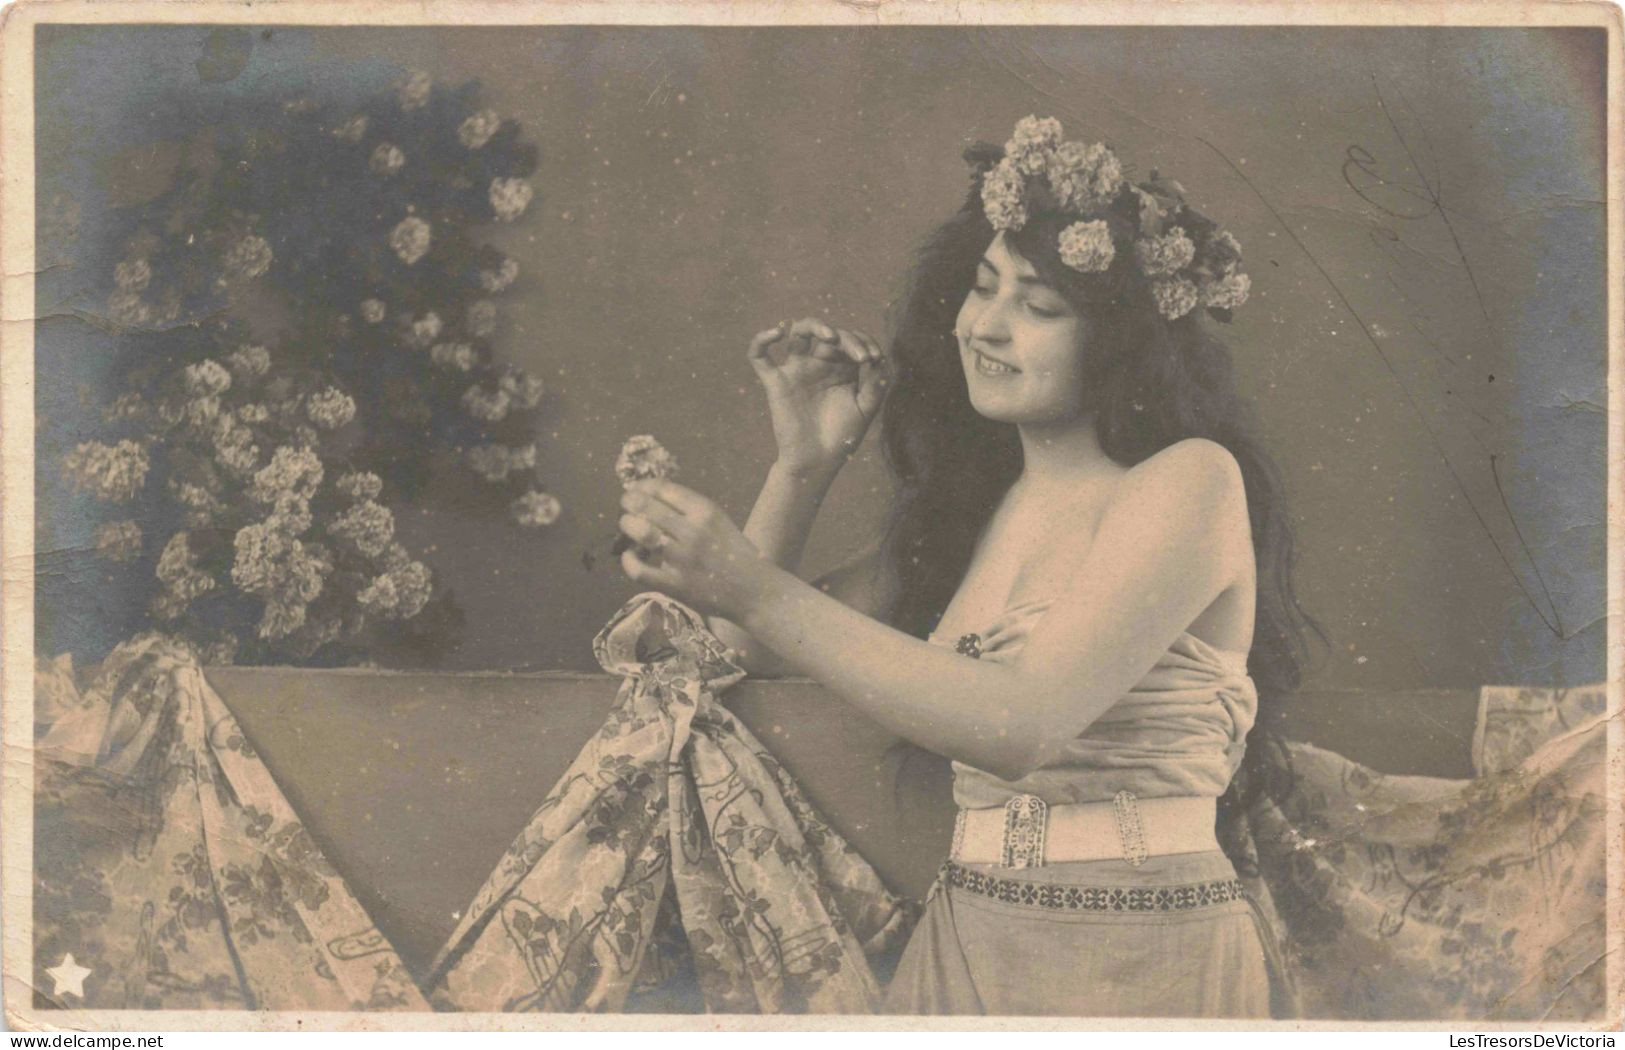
170	871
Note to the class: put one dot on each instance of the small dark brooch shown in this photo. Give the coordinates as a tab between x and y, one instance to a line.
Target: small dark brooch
970	645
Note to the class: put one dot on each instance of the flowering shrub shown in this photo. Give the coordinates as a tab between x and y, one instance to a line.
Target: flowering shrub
256	478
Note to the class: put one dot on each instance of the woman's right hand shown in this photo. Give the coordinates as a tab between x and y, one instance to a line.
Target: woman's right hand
823	394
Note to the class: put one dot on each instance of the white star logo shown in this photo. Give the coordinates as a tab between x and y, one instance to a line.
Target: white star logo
69	977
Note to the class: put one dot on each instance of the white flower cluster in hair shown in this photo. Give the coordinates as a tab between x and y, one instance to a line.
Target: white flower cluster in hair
1002	197
498	280
459	356
482	318
1227	293
1084	177
477	130
206	378
118	540
249	362
1087	246
1175	296
1165	254
522	388
359	485
410	239
132	275
352	130
253	412
367	526
372	310
424	330
249	258
510	198
295	470
413	90
536	509
488	406
1032	142
643	457
386	159
398	594
110	472
496	462
331	408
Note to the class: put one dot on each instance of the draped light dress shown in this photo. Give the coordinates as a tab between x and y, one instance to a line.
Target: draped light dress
1173	937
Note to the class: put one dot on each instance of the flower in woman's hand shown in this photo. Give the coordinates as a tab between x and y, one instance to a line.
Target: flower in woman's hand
704	560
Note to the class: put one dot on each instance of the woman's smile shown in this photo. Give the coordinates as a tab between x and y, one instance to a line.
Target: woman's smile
990	366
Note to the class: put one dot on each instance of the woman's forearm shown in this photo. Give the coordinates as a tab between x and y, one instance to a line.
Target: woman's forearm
779	525
980	713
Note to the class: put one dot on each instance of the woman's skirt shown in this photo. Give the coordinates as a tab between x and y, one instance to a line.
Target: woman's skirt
1174	937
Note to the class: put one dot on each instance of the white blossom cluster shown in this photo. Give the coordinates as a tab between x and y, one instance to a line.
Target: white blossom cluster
249	363
477	130
494	281
295	470
287	573
1087	246
118	540
399	593
367	526
183	581
249	258
457	356
330	408
536	509
413	89
352	130
372	310
522	389
110	472
359	485
386	159
509	198
641	457
410	239
424	330
488	406
495	462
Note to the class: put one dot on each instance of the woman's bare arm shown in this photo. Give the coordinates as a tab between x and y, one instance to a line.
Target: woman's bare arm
1172	541
779	526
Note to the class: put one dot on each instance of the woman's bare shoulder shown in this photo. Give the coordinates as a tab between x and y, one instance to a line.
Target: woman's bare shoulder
1191	476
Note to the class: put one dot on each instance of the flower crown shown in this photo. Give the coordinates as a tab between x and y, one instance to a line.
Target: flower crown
1189	259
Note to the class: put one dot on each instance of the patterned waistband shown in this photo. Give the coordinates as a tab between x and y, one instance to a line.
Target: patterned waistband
1092	898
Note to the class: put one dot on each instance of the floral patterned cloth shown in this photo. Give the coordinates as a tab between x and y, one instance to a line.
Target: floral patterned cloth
673	825
170	872
1408	897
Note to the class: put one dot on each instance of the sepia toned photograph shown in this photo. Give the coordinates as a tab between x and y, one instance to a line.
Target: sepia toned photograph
875	513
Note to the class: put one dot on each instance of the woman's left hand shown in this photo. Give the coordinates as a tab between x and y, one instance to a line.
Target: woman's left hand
695	553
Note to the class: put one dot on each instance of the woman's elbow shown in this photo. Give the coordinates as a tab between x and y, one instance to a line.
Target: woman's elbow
1016	759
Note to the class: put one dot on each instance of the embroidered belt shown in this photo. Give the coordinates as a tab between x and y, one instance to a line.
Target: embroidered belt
1028	833
1092	898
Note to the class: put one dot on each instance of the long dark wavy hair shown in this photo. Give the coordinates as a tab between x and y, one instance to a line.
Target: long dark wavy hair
1149	382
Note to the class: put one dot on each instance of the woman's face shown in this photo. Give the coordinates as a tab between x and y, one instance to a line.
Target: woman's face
1020	342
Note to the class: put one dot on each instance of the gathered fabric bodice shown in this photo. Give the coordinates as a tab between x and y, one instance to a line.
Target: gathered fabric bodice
1180	731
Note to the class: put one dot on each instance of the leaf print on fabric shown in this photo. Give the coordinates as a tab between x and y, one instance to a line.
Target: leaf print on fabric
673	817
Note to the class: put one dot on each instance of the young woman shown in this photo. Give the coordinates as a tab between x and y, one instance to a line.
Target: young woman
1086	547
